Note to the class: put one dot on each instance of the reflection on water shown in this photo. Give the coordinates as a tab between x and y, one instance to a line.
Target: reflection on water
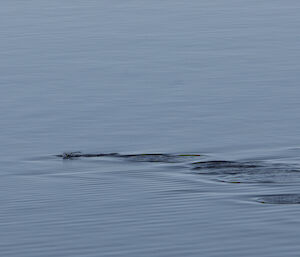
146	85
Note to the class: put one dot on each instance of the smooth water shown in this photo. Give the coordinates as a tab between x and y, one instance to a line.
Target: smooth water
169	78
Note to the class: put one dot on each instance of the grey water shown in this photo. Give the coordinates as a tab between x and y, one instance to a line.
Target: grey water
149	128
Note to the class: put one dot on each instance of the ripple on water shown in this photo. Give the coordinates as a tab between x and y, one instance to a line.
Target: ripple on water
278	199
247	172
262	172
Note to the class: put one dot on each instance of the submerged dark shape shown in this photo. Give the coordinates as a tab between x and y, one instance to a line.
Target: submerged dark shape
279	199
154	157
246	171
222	165
73	155
234	172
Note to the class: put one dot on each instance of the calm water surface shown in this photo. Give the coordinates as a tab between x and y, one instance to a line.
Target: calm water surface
214	78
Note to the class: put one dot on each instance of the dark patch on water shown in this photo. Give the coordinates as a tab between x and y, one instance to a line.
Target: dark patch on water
225	168
247	172
164	158
279	199
234	172
154	157
222	165
245	182
75	155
